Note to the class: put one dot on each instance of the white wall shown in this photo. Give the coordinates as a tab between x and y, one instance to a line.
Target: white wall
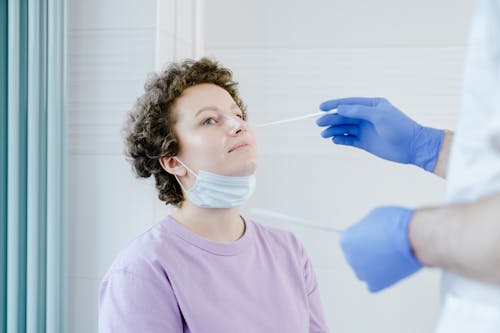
291	55
288	57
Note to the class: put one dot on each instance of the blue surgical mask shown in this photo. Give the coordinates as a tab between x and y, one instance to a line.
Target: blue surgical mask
216	191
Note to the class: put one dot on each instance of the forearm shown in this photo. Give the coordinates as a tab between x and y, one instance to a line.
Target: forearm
461	238
444	155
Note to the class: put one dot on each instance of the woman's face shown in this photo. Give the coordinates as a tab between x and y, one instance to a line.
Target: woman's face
212	133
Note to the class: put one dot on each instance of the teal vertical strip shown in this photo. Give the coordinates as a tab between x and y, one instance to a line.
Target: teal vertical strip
3	165
17	165
37	167
56	166
32	166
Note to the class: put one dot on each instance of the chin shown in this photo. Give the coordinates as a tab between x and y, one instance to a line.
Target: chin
245	168
252	167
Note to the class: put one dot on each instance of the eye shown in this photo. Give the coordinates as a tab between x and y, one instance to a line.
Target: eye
208	121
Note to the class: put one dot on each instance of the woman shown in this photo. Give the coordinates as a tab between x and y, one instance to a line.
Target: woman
205	268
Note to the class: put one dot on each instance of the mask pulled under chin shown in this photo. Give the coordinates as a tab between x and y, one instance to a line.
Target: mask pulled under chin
211	190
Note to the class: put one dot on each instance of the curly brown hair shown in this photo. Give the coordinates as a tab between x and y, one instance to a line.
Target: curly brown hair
150	128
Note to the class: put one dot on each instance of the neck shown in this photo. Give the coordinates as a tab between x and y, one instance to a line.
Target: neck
216	224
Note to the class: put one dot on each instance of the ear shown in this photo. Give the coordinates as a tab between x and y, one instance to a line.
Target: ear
172	166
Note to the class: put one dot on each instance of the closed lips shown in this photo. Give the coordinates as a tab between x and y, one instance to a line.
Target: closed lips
239	145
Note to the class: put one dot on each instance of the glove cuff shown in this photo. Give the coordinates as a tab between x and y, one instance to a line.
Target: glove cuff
406	249
426	147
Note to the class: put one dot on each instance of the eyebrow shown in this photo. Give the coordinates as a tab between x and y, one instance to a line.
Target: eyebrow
213	108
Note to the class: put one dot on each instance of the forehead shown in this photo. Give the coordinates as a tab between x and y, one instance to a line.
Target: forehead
200	96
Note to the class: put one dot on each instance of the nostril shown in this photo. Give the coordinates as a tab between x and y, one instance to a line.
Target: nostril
237	132
240	128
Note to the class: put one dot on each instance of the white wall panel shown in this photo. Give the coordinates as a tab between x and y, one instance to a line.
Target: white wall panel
112	15
280	24
110	207
82	314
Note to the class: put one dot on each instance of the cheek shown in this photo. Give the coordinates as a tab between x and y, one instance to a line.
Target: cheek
205	152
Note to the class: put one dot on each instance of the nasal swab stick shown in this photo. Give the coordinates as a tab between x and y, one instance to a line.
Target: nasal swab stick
292	220
295	118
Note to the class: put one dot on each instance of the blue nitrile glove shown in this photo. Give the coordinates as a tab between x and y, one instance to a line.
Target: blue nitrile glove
378	249
375	125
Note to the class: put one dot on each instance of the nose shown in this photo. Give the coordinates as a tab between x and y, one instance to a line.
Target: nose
236	125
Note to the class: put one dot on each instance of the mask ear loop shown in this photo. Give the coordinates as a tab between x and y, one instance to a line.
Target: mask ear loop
188	169
182	186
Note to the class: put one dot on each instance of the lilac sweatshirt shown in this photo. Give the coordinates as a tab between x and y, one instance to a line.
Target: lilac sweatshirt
172	280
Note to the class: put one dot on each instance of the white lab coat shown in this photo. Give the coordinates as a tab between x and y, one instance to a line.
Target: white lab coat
474	168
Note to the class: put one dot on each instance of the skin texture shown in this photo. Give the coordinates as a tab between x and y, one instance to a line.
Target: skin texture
444	155
462	238
209	124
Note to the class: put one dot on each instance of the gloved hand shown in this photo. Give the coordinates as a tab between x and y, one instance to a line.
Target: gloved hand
375	125
378	249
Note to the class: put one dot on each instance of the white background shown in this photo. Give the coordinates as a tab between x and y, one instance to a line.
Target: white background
288	57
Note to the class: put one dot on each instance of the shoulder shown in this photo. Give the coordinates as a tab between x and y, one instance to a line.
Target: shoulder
278	238
142	257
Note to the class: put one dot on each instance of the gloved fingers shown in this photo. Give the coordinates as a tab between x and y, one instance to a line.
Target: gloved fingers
341	130
334	103
346	140
375	288
336	119
360	112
